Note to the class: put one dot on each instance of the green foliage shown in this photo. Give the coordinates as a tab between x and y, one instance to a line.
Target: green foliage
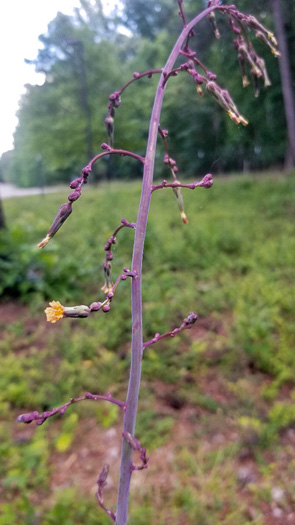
61	123
153	429
24	270
233	373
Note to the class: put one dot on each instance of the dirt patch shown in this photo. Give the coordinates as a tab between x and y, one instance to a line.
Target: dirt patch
212	439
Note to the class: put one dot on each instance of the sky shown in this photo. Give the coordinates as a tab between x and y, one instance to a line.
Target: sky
21	22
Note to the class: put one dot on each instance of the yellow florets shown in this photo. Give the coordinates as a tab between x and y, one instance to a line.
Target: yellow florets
54	311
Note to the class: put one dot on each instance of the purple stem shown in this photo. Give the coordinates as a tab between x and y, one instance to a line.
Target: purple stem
136	76
111	151
191	186
136	292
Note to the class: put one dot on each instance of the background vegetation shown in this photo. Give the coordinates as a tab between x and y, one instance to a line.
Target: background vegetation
217	405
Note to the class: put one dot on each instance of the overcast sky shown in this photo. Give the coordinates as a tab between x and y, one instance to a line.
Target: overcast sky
21	22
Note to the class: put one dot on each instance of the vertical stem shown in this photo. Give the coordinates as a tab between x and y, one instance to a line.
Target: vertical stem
136	292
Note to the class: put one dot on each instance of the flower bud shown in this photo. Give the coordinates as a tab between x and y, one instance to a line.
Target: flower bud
95	306
76	311
74	195
191	318
75	183
104	145
56	311
63	213
207	181
106	308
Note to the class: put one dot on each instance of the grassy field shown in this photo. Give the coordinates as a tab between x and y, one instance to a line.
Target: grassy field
216	412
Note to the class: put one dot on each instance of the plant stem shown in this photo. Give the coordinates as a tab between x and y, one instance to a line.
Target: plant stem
136	291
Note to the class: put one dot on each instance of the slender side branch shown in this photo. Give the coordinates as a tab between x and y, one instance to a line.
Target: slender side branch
107	265
56	310
111	151
66	209
101	483
186	324
137	76
206	182
136	445
41	418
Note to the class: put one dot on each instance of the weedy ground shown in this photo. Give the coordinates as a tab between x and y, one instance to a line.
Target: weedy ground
216	412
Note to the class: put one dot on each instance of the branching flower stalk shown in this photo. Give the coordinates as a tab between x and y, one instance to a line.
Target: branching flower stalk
240	24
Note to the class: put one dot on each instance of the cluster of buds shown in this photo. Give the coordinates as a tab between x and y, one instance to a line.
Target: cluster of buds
246	52
197	78
261	32
224	99
107	265
56	311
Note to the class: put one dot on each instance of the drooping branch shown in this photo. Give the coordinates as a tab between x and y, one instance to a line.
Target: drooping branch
107	265
101	483
136	445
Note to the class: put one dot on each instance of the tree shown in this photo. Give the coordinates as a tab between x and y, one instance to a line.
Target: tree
55	116
2	218
286	80
75	59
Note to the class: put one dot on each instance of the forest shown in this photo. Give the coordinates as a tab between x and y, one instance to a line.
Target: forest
86	56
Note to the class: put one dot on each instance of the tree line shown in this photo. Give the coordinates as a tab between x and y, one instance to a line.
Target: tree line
88	55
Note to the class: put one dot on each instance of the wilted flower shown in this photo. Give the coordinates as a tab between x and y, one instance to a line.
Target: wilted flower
108	285
224	99
178	194
214	24
54	311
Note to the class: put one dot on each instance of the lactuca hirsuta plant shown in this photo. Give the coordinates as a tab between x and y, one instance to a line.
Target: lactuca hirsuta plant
182	59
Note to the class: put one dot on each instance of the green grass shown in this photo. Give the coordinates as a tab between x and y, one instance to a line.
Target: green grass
229	383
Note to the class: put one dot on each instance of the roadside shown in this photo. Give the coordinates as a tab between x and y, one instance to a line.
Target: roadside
7	191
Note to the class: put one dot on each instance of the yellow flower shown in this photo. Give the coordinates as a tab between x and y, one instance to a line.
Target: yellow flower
54	312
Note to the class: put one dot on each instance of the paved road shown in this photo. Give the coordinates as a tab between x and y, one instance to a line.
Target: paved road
9	190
